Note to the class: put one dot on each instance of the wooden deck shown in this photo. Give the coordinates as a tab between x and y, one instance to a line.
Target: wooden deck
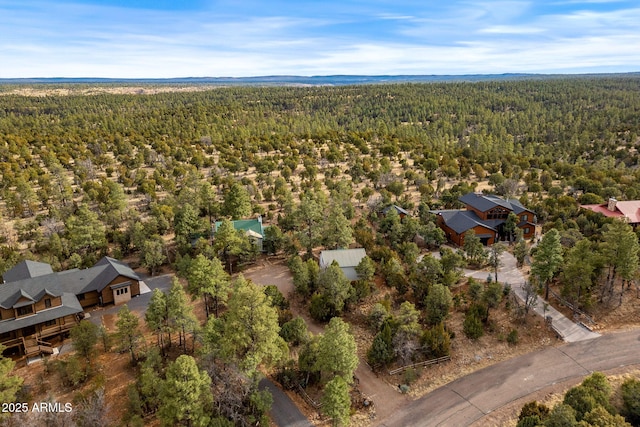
33	347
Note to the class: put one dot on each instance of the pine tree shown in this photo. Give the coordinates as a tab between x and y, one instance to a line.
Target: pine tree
381	351
157	316
338	233
548	259
180	313
438	303
85	338
207	279
185	395
250	328
9	384
237	202
334	286
337	351
336	401
128	331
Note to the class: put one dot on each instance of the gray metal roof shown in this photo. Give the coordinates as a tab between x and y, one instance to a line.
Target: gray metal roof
95	278
461	221
398	209
485	202
70	305
74	281
26	270
33	289
344	257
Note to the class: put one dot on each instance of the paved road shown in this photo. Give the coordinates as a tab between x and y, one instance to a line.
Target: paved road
471	398
510	273
568	330
283	411
138	304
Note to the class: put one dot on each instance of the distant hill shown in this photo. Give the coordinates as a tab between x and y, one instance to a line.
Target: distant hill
310	80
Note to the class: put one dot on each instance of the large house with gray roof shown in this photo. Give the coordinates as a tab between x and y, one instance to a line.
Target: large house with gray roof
38	304
486	215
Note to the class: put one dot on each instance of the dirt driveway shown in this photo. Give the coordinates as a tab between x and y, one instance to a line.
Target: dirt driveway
385	396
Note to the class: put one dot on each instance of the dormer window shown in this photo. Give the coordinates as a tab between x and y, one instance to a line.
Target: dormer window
23	311
47	302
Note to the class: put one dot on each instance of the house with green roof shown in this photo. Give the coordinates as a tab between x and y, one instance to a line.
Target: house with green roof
252	228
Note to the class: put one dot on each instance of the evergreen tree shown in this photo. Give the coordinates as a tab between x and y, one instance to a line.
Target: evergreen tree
85	338
337	351
207	279
338	233
185	395
237	202
157	316
229	243
577	273
128	331
186	226
366	268
474	249
334	287
438	303
336	401
152	255
85	231
180	313
250	328
381	351
620	248
9	384
436	342
309	218
548	259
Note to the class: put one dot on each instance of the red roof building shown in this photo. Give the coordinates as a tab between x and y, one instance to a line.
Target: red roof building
628	211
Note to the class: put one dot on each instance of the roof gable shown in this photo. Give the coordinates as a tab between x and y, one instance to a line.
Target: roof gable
32	290
344	257
486	202
461	221
247	225
26	269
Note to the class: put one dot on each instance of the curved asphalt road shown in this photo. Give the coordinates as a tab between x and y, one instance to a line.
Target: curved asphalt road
283	411
469	399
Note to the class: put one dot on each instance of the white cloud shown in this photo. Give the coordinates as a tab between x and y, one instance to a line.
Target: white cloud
469	37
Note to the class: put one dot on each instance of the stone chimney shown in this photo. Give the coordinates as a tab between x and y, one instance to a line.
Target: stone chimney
612	204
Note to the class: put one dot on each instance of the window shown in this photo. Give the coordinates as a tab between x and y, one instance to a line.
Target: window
23	311
525	217
122	291
51	322
526	230
47	302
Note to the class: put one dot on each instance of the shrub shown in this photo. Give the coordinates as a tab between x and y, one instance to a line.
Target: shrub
512	338
294	331
321	308
631	401
472	326
436	341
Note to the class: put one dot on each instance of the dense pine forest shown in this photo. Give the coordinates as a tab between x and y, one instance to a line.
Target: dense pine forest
145	176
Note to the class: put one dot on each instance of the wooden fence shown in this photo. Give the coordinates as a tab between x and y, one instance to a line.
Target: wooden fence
425	363
575	309
308	398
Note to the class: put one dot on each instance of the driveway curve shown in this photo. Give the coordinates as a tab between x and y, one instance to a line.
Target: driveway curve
283	411
469	399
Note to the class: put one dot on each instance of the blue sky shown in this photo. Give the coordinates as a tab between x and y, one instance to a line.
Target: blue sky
164	38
